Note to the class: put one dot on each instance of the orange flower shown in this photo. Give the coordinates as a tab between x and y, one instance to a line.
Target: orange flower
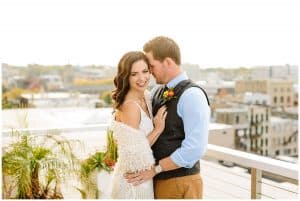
109	162
169	94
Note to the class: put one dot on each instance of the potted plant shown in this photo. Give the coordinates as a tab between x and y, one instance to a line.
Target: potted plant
92	176
33	167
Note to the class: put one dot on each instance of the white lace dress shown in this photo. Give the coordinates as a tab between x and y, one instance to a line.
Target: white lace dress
134	154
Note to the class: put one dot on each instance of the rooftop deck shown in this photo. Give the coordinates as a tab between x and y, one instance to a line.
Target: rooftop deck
220	182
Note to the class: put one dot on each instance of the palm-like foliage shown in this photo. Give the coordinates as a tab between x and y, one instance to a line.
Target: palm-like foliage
88	174
112	151
97	162
36	165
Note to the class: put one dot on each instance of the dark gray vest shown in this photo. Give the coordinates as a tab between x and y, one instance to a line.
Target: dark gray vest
173	135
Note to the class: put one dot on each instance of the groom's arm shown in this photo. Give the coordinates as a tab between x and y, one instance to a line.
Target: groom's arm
196	121
167	164
194	111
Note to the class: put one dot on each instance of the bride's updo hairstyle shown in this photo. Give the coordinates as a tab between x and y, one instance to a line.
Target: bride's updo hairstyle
121	80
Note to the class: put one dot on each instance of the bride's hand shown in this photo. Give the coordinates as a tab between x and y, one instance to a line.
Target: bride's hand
159	119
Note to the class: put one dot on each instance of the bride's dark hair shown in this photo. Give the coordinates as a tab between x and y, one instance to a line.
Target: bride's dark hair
121	80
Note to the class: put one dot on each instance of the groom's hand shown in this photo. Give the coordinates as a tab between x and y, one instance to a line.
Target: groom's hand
139	177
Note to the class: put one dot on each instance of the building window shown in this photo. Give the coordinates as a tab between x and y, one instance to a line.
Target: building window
275	99
266	141
237	119
287	151
267	129
261	142
261	117
288	99
281	99
256	118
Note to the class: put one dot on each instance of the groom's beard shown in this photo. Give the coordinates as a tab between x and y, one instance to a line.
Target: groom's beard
156	79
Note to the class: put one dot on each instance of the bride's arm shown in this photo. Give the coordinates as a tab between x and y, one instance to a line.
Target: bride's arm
159	125
152	137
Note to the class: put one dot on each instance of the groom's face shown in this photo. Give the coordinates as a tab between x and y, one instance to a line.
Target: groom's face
157	69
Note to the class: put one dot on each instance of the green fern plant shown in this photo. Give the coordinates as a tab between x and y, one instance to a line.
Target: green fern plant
35	166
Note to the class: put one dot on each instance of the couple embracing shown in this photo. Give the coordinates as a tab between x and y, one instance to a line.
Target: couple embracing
162	134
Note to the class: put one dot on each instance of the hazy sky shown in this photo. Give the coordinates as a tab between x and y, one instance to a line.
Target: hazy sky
227	33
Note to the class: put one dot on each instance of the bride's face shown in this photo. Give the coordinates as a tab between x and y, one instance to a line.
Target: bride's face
139	76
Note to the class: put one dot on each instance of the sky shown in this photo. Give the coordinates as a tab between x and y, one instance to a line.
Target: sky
210	33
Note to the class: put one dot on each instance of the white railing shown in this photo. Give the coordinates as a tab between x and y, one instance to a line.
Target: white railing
255	162
41	131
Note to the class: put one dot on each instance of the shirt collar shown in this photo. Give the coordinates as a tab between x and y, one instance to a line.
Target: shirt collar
182	76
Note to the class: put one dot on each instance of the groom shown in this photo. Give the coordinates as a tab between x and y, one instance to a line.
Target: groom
183	142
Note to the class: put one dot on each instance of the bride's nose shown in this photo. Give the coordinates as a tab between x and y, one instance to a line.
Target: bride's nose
143	77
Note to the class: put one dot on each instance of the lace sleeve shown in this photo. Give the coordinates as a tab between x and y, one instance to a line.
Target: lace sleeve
134	151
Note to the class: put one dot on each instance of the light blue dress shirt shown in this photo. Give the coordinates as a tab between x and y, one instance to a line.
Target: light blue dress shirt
193	108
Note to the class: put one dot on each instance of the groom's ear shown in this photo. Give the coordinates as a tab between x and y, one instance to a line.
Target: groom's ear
168	61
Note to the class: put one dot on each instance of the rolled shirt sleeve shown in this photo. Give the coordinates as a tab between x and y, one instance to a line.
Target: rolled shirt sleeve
195	112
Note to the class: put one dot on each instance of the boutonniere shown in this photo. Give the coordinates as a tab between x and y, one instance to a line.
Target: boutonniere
169	94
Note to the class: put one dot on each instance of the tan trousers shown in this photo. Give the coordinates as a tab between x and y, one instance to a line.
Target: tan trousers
186	187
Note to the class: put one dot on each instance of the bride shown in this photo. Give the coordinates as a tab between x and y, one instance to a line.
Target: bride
132	126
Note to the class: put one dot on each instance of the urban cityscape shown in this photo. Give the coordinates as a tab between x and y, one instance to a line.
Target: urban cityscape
254	110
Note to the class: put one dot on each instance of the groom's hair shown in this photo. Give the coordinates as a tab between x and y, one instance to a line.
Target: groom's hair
163	47
121	80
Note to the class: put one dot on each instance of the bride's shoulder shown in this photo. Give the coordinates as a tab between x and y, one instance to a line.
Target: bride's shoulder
129	114
129	107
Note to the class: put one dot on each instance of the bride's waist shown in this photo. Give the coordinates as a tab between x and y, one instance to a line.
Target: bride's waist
133	166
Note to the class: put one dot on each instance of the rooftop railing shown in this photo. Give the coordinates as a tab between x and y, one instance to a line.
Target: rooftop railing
257	164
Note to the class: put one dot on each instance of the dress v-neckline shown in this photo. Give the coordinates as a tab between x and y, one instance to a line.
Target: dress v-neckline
149	116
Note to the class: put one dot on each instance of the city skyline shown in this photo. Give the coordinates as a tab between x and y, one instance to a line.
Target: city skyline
210	33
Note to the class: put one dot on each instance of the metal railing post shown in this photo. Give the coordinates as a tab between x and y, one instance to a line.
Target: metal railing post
256	183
